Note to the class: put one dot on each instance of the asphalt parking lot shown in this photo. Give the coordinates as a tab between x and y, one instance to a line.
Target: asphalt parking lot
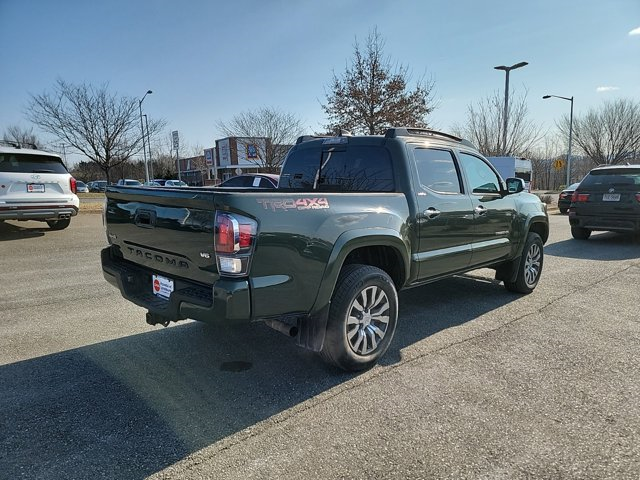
478	383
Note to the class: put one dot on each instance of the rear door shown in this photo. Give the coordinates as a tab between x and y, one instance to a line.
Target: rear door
494	215
445	218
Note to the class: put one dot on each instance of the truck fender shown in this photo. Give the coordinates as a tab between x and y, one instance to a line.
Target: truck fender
312	328
508	271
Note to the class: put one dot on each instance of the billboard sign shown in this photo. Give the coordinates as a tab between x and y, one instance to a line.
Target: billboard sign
208	156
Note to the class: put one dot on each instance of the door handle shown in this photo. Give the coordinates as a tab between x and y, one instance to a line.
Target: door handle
480	210
431	212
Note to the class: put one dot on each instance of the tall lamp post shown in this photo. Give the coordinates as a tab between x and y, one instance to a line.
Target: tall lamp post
150	161
570	134
144	148
506	100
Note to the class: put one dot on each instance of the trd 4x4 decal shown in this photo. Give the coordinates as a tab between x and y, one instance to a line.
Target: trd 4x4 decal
294	204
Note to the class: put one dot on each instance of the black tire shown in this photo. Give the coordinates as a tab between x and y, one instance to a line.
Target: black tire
564	210
580	233
59	224
530	266
362	318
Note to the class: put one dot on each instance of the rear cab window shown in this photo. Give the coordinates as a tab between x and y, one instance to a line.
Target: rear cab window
354	168
29	163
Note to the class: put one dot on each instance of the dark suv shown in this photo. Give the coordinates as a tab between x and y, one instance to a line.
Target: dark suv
607	199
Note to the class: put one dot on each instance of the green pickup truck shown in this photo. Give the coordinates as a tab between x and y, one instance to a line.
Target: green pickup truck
321	258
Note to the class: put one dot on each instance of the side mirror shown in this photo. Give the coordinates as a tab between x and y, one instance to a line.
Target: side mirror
515	185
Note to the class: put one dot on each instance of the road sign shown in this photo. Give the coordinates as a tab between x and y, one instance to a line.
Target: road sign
558	164
176	140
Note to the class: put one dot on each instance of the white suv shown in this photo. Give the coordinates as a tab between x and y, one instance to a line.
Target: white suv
35	185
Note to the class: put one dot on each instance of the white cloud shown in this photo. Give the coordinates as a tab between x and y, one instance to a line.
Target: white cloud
635	31
607	89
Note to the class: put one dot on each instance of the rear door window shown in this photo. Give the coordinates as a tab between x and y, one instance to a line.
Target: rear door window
27	163
354	169
437	170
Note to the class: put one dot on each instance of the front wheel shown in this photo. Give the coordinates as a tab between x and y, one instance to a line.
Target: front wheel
362	318
580	233
59	224
530	266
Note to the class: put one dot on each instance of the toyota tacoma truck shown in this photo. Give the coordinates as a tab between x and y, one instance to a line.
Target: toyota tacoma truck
354	220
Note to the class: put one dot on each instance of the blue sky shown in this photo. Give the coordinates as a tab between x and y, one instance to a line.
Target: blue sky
209	60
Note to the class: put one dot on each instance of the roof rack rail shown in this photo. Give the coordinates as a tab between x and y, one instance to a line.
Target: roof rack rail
424	132
306	138
16	144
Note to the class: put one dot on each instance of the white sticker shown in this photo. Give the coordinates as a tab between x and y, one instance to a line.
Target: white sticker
162	286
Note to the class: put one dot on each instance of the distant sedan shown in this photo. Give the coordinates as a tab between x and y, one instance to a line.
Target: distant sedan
81	187
564	199
252	180
175	183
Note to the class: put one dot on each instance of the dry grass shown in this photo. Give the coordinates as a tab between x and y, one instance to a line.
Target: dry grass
91	207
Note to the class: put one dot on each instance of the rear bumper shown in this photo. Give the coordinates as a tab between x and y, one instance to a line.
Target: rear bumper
37	212
605	223
226	301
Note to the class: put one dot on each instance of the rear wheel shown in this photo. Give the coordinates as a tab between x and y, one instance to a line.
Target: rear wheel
362	318
580	233
59	224
530	266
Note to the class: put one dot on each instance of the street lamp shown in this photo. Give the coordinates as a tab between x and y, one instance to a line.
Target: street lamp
570	134
150	162
144	151
506	99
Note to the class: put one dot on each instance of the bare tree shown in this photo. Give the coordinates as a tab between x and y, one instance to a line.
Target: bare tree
485	123
373	94
15	133
609	134
101	125
269	131
543	157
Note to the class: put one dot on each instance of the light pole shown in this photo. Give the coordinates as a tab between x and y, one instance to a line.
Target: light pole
144	151
506	100
150	162
570	135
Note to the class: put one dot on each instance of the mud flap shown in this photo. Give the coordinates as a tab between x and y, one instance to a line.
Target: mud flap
508	271
312	330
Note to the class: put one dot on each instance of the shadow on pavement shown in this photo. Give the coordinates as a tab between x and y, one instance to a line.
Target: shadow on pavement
10	231
600	246
130	407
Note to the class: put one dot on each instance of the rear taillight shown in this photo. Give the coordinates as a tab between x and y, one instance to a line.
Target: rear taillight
72	185
579	197
234	238
638	197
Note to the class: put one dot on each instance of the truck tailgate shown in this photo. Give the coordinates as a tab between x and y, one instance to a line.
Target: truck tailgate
151	225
